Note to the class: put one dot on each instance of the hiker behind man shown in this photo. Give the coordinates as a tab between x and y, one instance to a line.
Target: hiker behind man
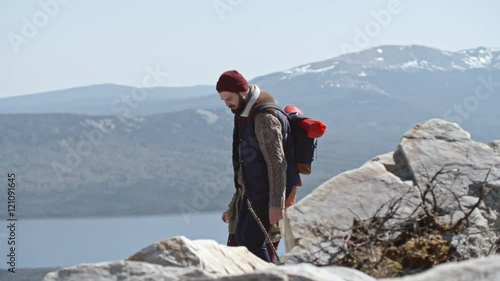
262	160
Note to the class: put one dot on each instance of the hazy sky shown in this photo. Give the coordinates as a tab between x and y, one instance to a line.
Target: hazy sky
53	44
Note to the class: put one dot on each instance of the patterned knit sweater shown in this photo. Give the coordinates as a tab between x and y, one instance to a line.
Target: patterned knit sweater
269	138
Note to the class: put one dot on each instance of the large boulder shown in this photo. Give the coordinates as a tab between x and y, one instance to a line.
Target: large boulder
176	258
441	154
435	155
479	269
207	255
332	207
124	271
298	272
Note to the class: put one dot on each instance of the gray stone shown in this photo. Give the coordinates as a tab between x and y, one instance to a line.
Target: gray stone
207	255
332	207
442	151
430	148
306	271
124	271
271	276
399	169
300	272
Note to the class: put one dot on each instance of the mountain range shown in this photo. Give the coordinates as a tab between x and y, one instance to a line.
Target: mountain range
84	152
107	99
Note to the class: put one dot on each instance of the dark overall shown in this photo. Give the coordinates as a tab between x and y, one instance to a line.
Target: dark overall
256	182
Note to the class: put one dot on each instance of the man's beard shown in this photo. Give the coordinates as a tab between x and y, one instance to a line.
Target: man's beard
239	108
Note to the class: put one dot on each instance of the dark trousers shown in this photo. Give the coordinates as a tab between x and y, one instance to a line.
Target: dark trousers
231	241
248	232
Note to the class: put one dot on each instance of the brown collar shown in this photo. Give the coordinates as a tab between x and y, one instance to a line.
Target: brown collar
264	97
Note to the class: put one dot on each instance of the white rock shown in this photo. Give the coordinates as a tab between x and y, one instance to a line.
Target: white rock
306	271
429	147
207	255
437	145
124	271
300	272
354	194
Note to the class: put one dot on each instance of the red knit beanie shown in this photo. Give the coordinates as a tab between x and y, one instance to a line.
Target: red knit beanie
232	81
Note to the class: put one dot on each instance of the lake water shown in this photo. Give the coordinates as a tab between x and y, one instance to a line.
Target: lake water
64	242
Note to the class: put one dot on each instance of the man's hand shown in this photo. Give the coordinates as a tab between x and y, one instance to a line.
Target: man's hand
224	216
275	214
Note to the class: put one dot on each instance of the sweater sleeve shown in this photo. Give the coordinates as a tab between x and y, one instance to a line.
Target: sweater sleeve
269	137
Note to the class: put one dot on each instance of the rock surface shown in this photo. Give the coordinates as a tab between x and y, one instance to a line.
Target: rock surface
300	272
442	150
431	147
480	269
333	206
124	271
207	255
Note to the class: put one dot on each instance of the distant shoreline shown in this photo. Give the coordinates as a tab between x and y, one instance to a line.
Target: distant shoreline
28	273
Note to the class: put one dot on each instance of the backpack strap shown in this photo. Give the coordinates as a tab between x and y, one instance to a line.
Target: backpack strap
277	107
269	105
290	116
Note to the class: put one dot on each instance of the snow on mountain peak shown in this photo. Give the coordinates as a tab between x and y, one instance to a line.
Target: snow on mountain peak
402	58
303	69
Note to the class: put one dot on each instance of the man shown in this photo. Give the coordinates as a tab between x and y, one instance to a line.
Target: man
263	162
